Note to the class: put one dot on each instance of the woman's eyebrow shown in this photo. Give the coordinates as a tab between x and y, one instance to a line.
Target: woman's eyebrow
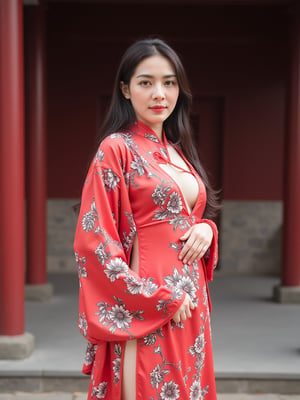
151	76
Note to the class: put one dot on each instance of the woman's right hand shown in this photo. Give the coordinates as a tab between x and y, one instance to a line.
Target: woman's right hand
184	311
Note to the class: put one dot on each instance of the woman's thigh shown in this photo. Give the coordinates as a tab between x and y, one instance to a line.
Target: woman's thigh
129	371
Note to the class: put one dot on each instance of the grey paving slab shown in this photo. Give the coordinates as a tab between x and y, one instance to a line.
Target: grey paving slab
253	337
286	397
83	396
43	396
242	396
59	347
79	396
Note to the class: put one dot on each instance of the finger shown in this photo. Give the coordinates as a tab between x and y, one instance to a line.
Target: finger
188	313
198	258
189	243
191	258
197	244
183	316
192	306
185	248
192	253
185	235
203	250
176	317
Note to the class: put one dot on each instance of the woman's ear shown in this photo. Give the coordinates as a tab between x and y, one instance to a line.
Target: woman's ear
125	90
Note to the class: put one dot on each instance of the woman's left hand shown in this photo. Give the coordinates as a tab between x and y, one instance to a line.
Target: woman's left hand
197	241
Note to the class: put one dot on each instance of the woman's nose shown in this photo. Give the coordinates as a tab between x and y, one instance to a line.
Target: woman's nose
158	92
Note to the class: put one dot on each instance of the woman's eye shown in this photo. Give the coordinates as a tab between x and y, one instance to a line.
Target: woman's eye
145	83
170	83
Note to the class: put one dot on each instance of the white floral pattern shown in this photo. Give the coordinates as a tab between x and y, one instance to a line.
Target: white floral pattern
110	179
116	299
157	376
120	317
117	316
99	156
170	391
151	137
133	285
205	297
88	221
117	363
138	165
150	340
163	304
197	348
90	354
198	351
195	391
128	239
83	324
160	194
149	287
174	205
89	218
102	254
185	282
114	268
170	207
81	267
99	392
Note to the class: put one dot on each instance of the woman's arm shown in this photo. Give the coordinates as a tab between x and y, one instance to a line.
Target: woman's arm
115	303
201	240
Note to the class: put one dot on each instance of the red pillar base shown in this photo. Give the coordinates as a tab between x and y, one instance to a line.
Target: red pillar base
11	169
16	347
290	273
287	294
38	292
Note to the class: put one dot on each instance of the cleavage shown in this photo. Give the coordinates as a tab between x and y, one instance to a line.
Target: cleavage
183	177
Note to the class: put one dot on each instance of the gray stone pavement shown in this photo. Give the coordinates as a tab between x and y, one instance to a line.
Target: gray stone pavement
83	396
256	344
43	396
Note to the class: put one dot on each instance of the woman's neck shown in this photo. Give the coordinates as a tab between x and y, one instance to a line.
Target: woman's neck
157	128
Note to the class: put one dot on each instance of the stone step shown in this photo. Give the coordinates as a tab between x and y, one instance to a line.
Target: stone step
83	396
79	383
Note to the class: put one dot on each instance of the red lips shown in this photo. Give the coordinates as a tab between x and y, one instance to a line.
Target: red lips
158	108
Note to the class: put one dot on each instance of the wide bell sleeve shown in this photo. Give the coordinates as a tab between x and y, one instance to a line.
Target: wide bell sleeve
211	256
115	303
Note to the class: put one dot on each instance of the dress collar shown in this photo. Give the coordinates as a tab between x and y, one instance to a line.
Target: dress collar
144	130
162	156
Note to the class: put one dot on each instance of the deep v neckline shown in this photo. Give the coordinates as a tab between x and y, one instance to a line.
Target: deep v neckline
167	160
144	130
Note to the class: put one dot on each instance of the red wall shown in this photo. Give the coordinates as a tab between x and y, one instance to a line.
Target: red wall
236	55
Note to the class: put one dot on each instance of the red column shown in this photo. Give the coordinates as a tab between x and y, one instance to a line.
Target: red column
291	226
11	168
36	145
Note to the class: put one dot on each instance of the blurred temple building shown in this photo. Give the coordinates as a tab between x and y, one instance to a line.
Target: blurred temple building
58	60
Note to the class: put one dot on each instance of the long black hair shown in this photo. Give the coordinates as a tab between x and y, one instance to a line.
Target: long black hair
177	126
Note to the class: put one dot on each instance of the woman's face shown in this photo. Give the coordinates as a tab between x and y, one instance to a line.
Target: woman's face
153	91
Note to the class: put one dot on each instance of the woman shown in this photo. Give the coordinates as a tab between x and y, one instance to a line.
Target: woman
144	251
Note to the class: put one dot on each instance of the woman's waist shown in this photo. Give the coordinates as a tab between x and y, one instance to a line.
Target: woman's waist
165	267
175	222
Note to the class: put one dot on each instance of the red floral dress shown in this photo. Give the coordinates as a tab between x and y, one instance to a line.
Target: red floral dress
127	193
